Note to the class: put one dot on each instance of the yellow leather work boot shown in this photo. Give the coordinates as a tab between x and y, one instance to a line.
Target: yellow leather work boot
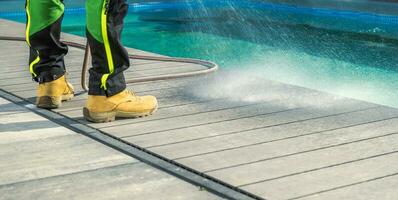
124	105
51	94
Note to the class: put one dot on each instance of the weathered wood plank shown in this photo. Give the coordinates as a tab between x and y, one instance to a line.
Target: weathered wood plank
128	181
306	162
277	149
278	87
33	147
328	178
166	70
17	30
257	129
47	164
27	80
200	119
7	107
71	155
381	188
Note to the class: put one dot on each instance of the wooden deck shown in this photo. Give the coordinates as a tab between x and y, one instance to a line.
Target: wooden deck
40	159
295	143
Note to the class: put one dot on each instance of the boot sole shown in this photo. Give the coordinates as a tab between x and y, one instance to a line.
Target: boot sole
49	102
103	117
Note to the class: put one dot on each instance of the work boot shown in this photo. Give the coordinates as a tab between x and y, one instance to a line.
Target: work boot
124	105
51	94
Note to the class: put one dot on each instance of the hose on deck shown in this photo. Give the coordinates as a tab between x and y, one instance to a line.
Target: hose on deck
210	66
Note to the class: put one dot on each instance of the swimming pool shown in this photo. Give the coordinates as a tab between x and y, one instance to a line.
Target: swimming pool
338	51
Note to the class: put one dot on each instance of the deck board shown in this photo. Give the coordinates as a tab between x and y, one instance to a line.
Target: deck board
247	128
281	147
34	148
328	178
201	119
259	152
215	137
129	181
369	189
43	160
305	162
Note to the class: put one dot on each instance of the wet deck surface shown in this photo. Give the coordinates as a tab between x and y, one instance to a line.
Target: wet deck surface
294	143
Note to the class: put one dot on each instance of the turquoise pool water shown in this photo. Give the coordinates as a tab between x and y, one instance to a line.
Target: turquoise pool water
359	64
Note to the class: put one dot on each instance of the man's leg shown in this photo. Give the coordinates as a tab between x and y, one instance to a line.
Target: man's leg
46	60
110	59
108	97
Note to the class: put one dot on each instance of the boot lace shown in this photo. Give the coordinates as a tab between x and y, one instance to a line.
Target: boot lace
132	95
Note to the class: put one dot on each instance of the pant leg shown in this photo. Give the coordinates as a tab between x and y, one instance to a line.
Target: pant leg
46	60
109	57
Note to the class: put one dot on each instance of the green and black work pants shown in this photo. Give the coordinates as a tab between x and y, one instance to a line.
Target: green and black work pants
104	27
